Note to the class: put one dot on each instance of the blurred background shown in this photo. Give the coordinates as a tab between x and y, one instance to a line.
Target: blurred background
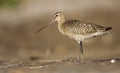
19	19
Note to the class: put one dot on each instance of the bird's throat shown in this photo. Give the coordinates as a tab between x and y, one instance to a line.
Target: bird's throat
60	26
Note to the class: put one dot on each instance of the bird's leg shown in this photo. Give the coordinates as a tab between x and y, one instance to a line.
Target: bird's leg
81	51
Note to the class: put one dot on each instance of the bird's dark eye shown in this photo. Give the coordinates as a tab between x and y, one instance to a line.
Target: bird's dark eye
56	15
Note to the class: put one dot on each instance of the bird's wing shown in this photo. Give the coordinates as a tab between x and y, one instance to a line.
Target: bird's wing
80	27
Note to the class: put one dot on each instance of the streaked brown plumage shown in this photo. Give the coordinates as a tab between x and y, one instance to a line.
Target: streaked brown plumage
77	27
82	28
79	30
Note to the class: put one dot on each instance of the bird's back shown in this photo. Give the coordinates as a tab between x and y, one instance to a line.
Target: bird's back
82	28
77	27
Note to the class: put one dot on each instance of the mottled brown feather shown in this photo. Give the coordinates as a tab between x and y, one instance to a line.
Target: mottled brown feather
79	27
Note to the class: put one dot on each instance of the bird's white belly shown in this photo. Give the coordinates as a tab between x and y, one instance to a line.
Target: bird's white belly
87	36
79	37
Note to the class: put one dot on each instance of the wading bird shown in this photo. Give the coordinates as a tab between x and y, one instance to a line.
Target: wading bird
78	30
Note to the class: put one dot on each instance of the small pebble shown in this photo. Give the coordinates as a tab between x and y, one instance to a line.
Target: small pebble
112	61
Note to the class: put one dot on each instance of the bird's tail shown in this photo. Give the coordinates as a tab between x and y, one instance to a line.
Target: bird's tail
108	28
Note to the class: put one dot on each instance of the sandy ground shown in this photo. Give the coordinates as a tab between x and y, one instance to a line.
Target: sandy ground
70	65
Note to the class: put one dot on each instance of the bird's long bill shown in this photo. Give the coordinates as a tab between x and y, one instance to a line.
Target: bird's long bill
44	27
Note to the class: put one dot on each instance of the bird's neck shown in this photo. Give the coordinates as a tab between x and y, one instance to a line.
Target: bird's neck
60	23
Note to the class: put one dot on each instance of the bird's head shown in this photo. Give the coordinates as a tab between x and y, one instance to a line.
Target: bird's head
58	16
